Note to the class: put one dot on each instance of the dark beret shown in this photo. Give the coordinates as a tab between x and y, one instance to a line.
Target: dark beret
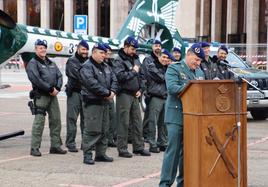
157	42
176	49
197	50
224	48
99	46
170	56
40	42
204	44
107	46
84	44
132	42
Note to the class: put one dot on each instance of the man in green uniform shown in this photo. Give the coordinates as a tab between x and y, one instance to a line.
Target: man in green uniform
176	52
74	99
207	65
46	82
112	114
156	52
177	76
99	85
129	75
223	72
157	91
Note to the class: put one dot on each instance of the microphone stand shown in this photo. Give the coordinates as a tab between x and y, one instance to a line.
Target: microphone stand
238	120
229	67
239	80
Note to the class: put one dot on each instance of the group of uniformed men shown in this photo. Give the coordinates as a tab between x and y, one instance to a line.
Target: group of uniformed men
93	83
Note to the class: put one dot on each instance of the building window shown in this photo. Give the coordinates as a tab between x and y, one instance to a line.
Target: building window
262	24
57	14
81	7
10	7
33	12
223	21
241	16
104	18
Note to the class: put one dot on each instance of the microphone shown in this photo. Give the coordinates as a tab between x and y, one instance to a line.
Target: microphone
239	77
222	62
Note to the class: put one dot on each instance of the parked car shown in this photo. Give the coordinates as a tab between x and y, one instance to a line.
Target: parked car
257	102
13	63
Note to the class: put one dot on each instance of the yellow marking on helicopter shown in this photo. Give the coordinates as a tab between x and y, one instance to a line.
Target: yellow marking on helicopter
58	46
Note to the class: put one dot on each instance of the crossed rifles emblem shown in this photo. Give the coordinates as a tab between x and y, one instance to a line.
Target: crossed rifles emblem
213	137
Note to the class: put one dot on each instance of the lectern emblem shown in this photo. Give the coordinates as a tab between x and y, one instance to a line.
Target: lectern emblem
223	103
223	89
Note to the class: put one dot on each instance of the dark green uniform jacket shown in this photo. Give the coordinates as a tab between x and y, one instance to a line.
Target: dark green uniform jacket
98	80
177	77
129	80
44	75
73	66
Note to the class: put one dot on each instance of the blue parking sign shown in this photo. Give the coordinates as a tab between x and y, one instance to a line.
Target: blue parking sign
80	24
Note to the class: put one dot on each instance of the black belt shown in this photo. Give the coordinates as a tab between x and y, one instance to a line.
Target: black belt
90	101
78	90
158	96
129	92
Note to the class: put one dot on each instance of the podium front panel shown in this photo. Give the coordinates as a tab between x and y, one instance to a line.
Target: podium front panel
210	135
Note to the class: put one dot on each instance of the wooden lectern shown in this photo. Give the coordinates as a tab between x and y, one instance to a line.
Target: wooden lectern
211	113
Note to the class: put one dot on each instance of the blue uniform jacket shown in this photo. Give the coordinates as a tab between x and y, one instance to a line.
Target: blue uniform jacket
177	77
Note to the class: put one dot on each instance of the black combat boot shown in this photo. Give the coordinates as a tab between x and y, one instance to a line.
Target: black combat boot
142	152
35	152
57	150
72	149
88	160
103	158
154	150
162	148
125	154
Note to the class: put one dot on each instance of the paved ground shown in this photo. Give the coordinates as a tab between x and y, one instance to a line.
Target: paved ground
18	168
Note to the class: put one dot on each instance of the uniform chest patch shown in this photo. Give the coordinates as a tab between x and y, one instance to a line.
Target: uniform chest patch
183	76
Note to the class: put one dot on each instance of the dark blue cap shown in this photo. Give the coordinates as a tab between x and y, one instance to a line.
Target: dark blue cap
176	49
84	44
204	44
40	42
99	46
224	48
132	42
170	56
157	42
107	46
197	50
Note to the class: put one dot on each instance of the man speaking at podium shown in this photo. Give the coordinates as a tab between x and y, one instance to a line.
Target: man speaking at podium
177	77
